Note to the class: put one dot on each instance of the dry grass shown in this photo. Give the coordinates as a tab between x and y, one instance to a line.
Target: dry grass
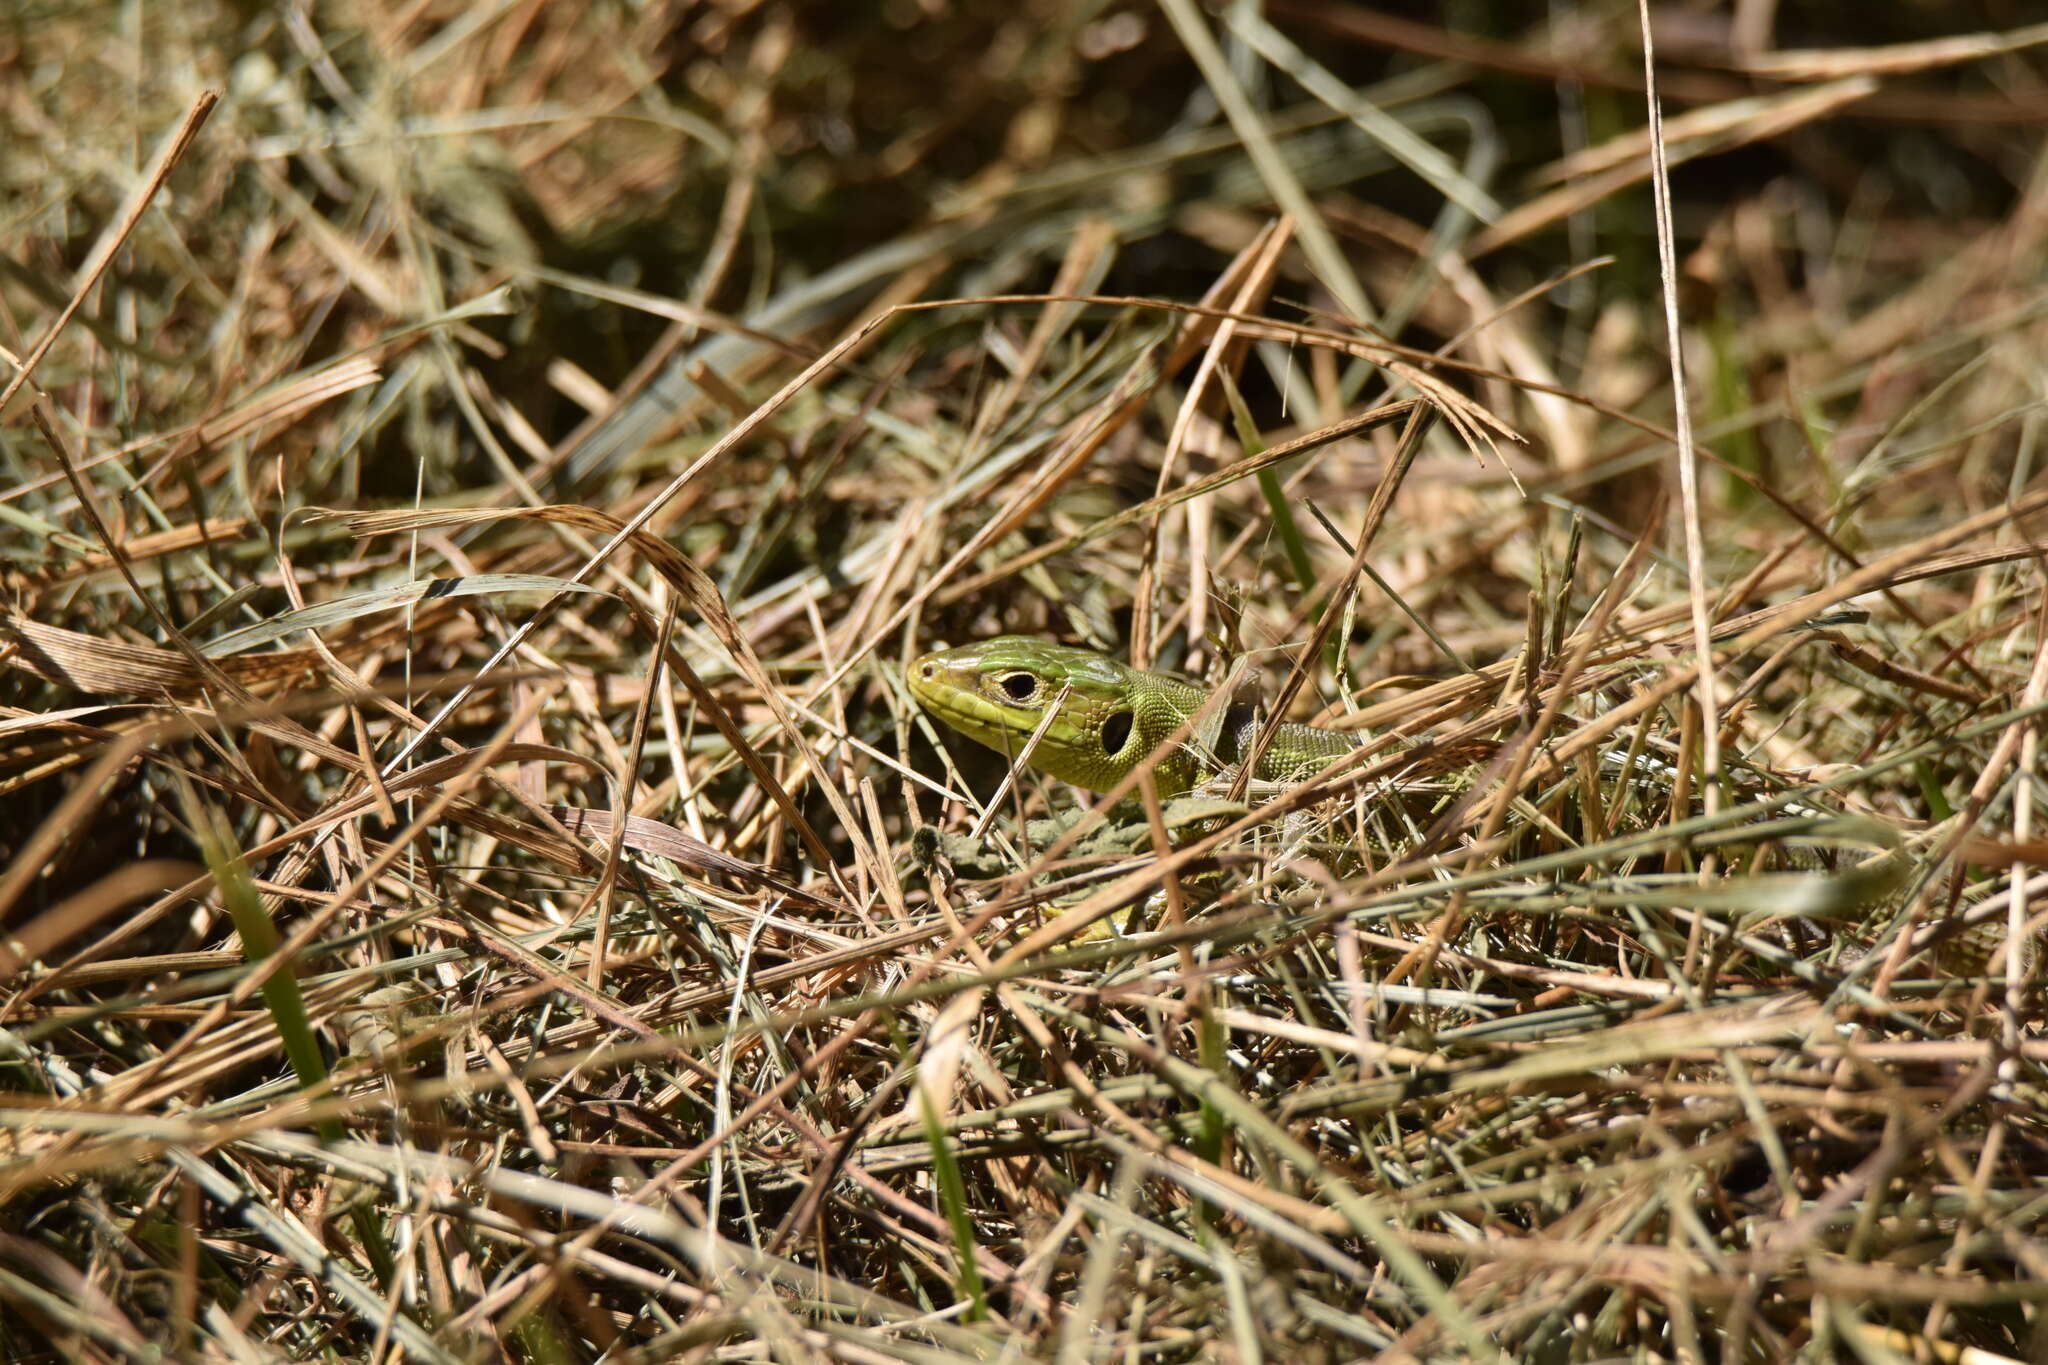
476	887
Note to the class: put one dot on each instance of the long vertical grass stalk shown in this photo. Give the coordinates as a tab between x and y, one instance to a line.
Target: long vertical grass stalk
1284	524
282	998
953	1203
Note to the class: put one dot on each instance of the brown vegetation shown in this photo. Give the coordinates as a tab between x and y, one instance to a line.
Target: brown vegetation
475	886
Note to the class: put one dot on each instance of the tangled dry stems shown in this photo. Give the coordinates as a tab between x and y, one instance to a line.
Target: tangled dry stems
476	886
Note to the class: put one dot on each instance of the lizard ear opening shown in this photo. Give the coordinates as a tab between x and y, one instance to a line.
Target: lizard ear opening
1116	732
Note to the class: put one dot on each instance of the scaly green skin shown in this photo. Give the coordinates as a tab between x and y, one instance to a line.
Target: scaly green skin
997	692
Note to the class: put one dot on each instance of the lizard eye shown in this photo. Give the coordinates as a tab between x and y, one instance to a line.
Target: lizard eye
1116	732
1018	687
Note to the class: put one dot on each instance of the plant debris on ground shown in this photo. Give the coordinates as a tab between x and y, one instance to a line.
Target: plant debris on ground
476	887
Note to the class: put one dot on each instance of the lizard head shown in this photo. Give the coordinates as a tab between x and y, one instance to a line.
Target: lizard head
997	692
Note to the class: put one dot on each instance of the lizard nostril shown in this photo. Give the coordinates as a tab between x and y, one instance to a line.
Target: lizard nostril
927	670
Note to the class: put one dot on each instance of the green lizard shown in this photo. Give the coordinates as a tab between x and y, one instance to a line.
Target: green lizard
1111	716
997	692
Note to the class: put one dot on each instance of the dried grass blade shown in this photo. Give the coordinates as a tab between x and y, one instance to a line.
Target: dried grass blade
322	615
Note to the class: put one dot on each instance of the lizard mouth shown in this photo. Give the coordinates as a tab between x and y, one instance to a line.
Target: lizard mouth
949	687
